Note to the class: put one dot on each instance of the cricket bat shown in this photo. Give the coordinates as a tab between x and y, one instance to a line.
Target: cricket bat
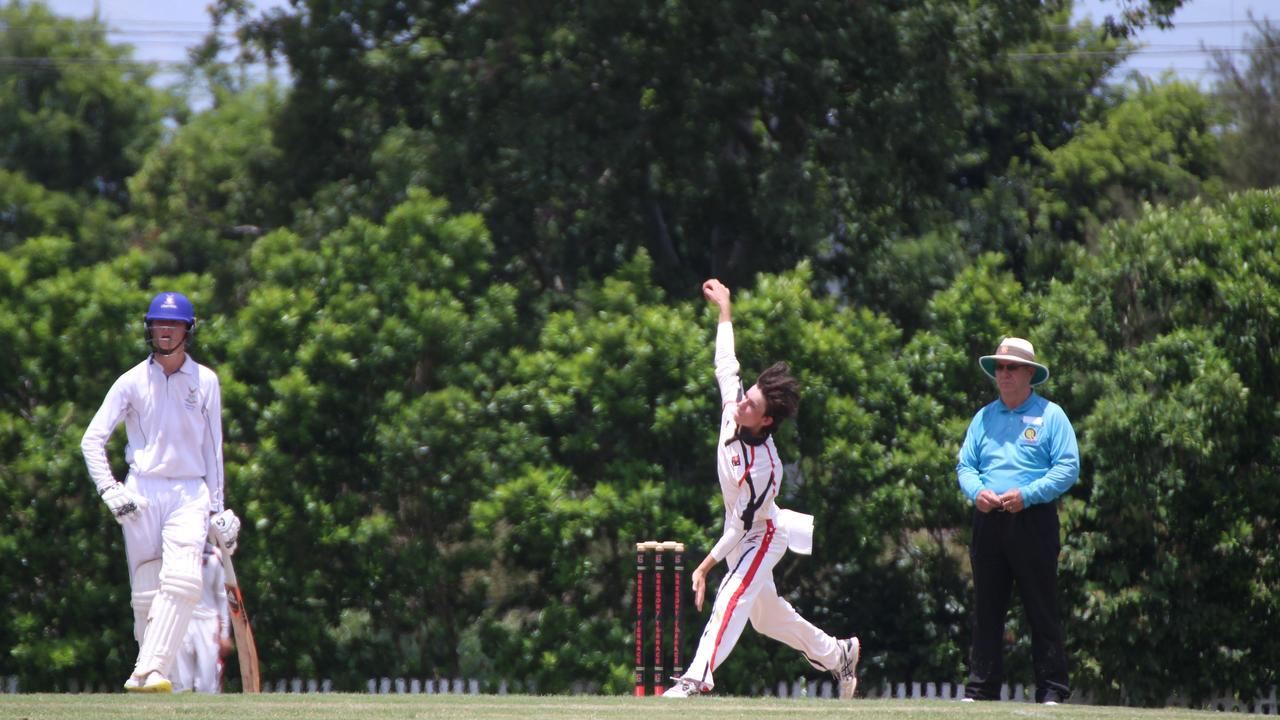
246	650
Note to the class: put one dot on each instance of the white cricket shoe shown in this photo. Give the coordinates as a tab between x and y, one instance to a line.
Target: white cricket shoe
152	682
684	688
846	673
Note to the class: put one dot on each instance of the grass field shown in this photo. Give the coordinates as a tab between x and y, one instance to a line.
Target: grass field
525	707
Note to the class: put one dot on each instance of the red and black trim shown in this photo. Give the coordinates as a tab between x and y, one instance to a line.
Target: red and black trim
757	499
760	551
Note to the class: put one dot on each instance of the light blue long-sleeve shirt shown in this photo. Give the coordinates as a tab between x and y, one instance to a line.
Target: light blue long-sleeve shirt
1032	447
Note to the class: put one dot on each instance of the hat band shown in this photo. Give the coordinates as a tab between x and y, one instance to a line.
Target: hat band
1016	352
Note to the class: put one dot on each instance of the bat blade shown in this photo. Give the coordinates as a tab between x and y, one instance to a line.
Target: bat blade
246	649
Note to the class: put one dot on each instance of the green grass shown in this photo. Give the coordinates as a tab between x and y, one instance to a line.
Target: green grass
525	707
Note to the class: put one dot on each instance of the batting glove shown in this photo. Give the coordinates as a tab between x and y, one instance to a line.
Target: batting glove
125	505
226	526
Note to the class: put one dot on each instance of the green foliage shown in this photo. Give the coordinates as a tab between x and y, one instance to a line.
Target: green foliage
76	113
1135	145
964	321
73	331
1252	104
34	210
1156	146
1173	385
349	434
205	193
622	396
448	278
723	139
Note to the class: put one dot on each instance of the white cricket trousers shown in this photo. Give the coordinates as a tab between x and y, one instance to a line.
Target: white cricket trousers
176	520
172	528
199	665
748	593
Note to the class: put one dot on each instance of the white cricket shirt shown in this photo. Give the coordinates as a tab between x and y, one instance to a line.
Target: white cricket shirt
173	423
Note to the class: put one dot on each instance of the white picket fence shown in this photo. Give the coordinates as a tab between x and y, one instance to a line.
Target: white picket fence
801	688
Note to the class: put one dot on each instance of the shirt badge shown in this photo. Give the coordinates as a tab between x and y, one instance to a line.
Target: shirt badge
1029	434
192	398
735	460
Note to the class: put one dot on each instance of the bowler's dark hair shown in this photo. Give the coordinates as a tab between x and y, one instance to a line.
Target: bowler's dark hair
781	394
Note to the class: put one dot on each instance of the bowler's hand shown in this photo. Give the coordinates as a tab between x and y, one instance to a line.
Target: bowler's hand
1011	501
699	587
987	501
715	292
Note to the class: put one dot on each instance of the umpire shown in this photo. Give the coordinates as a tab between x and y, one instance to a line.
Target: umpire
1019	455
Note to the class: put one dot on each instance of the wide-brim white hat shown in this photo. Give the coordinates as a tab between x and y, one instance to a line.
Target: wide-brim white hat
1017	350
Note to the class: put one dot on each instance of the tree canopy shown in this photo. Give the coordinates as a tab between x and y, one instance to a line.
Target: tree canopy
448	276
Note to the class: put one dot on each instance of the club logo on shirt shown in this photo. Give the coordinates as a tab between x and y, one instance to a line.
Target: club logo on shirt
192	398
1029	434
735	460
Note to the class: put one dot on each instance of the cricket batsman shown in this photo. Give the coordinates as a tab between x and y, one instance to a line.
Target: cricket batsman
756	533
171	408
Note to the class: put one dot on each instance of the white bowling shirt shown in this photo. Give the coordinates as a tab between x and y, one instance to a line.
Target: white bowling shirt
750	475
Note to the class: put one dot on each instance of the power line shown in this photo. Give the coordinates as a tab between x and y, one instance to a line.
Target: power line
118	25
1199	70
160	33
1176	25
1121	54
37	63
195	31
18	61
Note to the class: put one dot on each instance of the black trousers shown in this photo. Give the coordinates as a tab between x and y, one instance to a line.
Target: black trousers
1016	548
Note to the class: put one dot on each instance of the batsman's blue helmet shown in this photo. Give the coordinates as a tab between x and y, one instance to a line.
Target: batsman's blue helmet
171	306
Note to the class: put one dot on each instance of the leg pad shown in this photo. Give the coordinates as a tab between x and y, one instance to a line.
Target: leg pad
146	583
180	586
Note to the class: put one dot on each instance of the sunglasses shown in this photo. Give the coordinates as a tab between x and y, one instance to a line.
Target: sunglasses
1009	366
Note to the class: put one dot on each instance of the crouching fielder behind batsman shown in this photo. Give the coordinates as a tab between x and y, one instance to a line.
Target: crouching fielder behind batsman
756	533
171	407
198	666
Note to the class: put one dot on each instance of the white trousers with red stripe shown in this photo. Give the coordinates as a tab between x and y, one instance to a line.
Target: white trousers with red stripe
748	593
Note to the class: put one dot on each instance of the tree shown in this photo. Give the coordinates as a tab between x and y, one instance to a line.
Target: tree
723	139
76	112
1252	101
208	191
32	210
1162	347
1137	14
1151	144
353	374
620	395
78	328
1156	146
442	467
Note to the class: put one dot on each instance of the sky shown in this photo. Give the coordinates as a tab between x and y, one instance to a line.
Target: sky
1199	26
161	30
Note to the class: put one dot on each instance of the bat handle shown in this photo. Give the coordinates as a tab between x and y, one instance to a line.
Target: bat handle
227	567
